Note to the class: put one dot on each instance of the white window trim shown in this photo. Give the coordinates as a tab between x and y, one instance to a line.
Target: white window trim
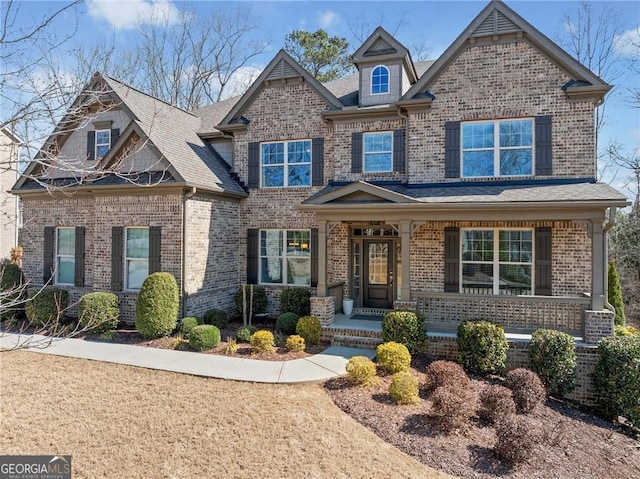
496	258
127	259
283	257
108	145
496	148
364	152
388	80
285	165
58	255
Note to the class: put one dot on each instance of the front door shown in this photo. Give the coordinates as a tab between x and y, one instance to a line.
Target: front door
378	274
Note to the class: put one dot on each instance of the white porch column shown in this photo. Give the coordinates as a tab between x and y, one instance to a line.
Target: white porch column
405	247
322	257
597	266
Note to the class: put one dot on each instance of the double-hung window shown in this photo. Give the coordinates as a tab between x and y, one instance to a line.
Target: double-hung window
497	148
103	143
285	164
65	256
380	80
136	257
497	261
285	257
378	152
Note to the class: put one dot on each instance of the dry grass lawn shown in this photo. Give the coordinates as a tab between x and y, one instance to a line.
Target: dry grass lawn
120	421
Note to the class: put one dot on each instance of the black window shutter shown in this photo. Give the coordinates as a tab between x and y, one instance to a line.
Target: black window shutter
356	152
155	248
314	256
115	133
254	165
452	149
49	243
252	256
544	148
398	150
91	145
79	259
117	248
452	260
317	161
543	261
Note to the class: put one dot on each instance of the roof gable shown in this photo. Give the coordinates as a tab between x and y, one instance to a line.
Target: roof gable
357	192
381	46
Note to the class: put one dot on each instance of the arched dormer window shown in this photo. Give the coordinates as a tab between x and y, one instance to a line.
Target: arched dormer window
379	80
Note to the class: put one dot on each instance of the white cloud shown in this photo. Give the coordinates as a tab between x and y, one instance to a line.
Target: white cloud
327	19
240	81
127	14
627	44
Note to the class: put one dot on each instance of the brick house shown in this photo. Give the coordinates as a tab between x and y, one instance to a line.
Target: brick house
463	187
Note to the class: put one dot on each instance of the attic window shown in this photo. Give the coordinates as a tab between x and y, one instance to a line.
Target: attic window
380	80
103	143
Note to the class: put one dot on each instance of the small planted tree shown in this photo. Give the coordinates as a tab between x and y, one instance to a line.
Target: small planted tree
157	306
615	294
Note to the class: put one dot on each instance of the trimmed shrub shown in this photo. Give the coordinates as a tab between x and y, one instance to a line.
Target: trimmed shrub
99	312
617	378
309	328
157	306
626	331
12	280
496	403
553	356
203	337
286	323
405	327
187	324
445	373
453	407
295	343
517	437
243	334
296	300
404	388
47	306
393	357
361	371
231	347
615	294
527	388
260	300
216	317
262	341
482	347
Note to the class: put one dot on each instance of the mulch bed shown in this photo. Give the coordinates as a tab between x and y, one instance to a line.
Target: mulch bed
575	444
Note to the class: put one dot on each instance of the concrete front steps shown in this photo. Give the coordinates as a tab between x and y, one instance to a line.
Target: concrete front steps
356	333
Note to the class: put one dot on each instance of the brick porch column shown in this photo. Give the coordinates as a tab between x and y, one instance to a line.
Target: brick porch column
405	249
598	325
322	258
323	308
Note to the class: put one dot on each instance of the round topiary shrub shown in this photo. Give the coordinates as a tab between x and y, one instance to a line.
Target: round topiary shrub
445	373
310	329
286	323
405	327
46	307
404	388
296	300
553	356
203	337
243	334
517	438
260	300
295	343
12	284
482	347
616	378
216	317
99	312
527	388
393	357
262	341
187	324
496	403
157	306
453	407
361	371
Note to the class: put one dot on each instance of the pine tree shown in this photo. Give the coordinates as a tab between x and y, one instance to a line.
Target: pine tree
615	294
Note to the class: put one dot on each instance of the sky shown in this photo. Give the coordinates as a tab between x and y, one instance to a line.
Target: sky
430	23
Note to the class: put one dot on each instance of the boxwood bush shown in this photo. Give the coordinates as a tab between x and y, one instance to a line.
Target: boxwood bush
361	371
99	312
243	334
263	341
203	337
295	343
403	388
47	306
216	317
310	329
286	323
187	324
393	357
553	356
12	283
482	347
405	327
157	306
295	300
260	300
617	377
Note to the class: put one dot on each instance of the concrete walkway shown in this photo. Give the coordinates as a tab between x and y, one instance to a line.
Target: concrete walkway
328	364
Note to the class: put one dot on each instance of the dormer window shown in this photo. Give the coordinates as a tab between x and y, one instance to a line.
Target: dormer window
103	143
380	80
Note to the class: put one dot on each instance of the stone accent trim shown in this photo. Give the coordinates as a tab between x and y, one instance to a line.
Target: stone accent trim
597	325
323	308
